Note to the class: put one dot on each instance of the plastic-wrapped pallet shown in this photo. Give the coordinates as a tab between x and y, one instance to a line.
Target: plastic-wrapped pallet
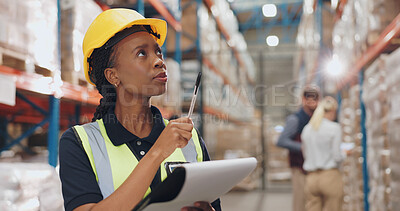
352	166
237	142
375	99
210	36
308	39
29	186
343	36
76	16
380	14
217	50
392	65
213	86
223	11
29	27
173	6
277	157
189	27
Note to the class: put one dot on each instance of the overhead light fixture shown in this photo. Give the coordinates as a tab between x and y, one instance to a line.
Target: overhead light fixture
269	10
272	40
334	68
334	4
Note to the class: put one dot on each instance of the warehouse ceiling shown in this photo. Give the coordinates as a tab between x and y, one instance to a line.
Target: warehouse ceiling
238	5
252	19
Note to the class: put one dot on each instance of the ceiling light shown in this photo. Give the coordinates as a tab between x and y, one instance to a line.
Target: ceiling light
272	40
335	68
269	10
334	4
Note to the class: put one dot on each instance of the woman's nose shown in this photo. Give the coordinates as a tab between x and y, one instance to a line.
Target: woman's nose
158	63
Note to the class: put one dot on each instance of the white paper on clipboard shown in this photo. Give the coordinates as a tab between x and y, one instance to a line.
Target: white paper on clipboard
207	181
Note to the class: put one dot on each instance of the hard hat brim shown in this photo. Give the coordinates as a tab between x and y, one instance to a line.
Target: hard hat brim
158	25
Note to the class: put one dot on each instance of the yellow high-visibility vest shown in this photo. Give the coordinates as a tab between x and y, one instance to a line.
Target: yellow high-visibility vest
113	164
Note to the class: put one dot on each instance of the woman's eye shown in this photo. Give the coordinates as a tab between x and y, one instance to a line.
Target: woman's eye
142	53
158	51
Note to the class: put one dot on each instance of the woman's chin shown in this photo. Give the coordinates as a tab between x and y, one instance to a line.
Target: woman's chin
159	93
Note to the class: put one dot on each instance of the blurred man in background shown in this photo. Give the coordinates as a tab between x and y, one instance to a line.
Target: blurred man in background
290	139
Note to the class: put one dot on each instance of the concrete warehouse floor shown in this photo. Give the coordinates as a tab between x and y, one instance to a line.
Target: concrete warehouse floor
257	201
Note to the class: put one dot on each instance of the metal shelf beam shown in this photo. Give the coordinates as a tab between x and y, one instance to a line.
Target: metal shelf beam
160	7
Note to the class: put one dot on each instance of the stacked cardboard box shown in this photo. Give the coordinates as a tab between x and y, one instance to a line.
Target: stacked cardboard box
352	165
213	46
29	186
277	157
392	66
237	142
76	17
381	14
376	105
360	25
29	28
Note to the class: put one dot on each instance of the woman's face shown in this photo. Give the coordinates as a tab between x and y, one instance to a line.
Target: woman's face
140	66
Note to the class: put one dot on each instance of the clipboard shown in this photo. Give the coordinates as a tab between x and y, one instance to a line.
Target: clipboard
191	182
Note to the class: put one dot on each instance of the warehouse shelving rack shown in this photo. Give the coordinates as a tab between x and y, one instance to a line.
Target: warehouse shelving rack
391	32
355	75
209	4
38	102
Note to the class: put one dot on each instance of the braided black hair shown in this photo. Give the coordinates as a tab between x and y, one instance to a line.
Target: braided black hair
103	58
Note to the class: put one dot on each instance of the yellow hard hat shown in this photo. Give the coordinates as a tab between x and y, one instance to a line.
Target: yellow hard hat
111	21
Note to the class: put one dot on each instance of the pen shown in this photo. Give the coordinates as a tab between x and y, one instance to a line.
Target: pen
196	88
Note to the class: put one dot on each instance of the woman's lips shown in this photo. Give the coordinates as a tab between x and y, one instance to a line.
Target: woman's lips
162	77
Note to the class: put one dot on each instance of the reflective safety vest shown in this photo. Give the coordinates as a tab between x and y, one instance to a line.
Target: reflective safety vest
113	164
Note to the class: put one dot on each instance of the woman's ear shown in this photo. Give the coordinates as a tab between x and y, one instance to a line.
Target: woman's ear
112	76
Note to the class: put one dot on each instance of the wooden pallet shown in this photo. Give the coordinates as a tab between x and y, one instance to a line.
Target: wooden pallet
20	61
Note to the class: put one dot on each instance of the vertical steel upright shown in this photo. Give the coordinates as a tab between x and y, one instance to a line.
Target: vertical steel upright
140	7
178	53
339	100
318	20
364	145
264	161
200	60
54	105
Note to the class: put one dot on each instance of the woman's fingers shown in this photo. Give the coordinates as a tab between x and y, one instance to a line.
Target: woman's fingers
176	135
182	120
185	137
182	126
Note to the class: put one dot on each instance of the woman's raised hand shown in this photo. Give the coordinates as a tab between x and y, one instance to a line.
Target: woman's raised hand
175	135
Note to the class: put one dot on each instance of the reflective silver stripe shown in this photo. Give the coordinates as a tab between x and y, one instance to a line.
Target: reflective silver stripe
100	157
189	151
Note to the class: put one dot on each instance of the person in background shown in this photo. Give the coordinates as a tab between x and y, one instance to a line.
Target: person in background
291	140
118	158
321	150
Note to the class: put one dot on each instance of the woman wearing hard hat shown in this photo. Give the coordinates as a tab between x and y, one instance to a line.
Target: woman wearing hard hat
115	161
